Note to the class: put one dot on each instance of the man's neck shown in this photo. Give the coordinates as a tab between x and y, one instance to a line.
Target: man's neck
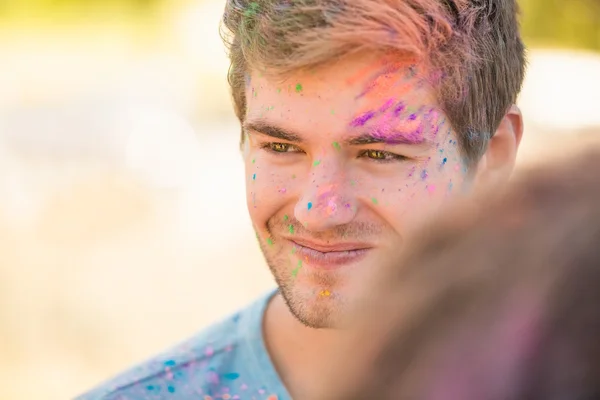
294	348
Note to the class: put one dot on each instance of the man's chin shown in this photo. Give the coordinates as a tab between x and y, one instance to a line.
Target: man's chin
316	307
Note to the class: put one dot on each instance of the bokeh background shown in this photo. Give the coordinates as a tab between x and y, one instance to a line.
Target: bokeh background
123	226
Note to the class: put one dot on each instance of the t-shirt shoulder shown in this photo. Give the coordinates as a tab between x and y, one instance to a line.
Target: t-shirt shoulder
218	363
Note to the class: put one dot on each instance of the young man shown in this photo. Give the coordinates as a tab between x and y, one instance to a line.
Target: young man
500	303
359	118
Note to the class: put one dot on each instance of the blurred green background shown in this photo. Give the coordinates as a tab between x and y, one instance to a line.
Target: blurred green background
573	23
123	224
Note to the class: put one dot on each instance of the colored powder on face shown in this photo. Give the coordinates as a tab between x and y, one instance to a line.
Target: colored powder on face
374	200
270	242
444	161
209	351
386	105
424	174
149	387
293	250
170	363
285	217
399	108
336	146
352	183
431	189
295	271
282	190
325	293
332	112
317	162
254	177
294	176
273	397
291	229
309	205
450	186
362	120
278	90
231	376
298	87
171	389
253	161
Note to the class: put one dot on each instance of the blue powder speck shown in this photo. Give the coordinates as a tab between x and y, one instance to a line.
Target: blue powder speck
444	161
424	174
170	363
309	205
231	376
149	387
254	177
171	389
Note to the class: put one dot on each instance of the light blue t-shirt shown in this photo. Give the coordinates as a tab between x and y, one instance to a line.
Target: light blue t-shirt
225	362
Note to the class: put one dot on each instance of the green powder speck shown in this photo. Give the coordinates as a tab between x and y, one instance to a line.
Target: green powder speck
252	9
295	272
317	162
336	146
298	87
374	200
285	217
270	242
291	228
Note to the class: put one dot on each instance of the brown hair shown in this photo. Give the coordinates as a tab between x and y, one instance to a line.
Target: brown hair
472	48
510	291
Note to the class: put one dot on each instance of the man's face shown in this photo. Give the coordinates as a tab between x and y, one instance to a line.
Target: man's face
341	164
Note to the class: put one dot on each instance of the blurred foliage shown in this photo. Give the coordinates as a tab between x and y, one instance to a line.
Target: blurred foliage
546	23
15	10
562	23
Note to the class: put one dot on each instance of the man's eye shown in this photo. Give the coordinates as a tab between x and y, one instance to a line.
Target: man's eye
381	156
276	147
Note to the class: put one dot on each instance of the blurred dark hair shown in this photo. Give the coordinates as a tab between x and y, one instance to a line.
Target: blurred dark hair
496	303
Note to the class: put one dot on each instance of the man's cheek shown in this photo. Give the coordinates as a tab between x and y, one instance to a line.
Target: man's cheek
268	191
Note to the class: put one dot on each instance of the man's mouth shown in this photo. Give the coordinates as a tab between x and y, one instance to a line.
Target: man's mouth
329	256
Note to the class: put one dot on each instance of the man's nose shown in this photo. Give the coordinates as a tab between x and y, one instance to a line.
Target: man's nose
326	202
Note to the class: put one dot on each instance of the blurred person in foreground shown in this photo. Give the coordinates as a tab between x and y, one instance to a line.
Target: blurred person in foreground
359	119
495	303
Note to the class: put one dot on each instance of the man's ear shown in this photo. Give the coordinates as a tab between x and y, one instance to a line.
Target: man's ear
498	161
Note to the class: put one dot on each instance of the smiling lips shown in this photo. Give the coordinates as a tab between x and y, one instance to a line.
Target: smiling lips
330	257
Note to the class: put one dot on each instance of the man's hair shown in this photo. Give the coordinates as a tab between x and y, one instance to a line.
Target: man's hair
472	49
496	303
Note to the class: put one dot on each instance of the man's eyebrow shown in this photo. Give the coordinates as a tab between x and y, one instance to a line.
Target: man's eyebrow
391	137
274	131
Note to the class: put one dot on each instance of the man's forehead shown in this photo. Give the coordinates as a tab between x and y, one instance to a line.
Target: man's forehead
366	96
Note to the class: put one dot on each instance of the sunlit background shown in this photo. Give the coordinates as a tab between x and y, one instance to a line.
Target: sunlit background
123	226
